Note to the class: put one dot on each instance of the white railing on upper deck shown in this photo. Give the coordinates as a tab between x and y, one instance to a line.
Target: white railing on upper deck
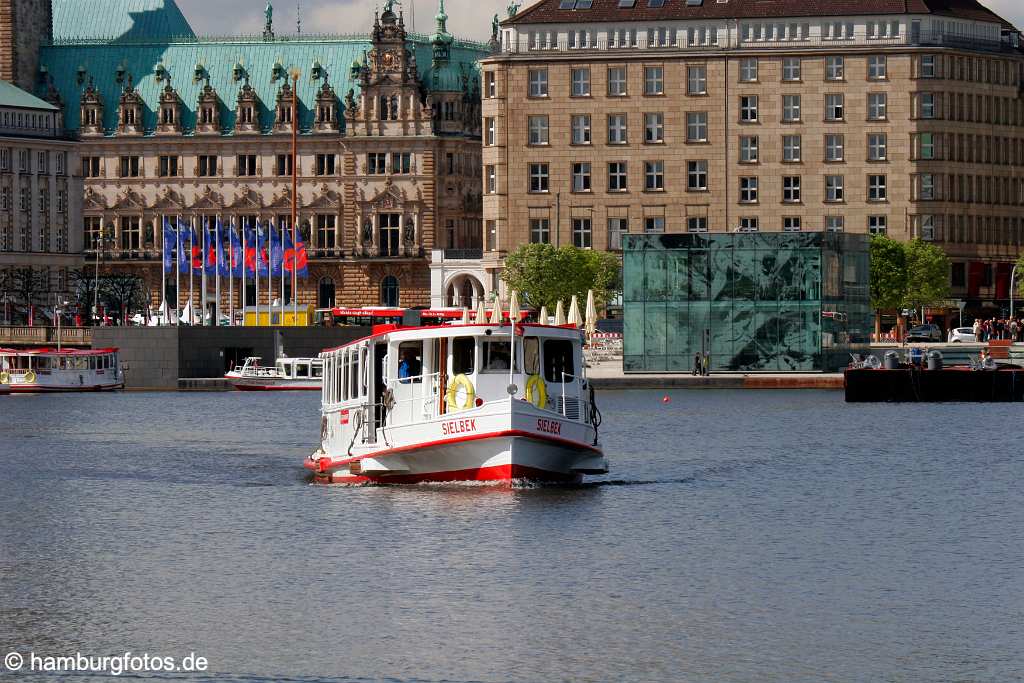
421	406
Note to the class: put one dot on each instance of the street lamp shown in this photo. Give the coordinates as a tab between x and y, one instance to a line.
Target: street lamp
104	237
1013	281
57	311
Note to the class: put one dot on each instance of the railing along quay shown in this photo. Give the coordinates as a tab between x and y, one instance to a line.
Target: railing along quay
44	336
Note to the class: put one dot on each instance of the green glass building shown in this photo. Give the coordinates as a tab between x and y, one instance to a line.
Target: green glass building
757	302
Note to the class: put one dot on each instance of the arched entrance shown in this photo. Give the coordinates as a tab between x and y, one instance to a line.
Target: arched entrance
464	291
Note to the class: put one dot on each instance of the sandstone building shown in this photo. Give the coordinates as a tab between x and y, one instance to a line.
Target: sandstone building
904	117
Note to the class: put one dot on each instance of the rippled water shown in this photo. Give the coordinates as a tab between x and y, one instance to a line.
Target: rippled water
741	536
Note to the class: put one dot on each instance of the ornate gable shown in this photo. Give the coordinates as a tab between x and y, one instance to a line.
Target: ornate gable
247	200
208	200
93	201
325	198
130	200
281	201
170	200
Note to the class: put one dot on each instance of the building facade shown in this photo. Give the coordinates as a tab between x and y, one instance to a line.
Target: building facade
178	128
40	197
607	117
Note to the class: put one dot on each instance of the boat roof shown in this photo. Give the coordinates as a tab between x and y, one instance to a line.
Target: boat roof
458	330
51	351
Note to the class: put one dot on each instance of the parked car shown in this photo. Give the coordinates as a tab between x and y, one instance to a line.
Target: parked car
924	333
962	334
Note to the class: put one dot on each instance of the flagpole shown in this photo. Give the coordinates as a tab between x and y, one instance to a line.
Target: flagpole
191	272
177	268
231	278
163	270
216	273
256	269
282	276
245	275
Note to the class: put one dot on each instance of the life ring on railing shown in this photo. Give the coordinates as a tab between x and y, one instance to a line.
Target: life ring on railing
537	391
30	377
452	394
5	378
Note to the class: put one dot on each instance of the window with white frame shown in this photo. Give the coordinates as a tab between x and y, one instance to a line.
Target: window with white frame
617	81
580	129
617	130
878	225
926	105
926	186
749	224
539	177
877	68
617	227
927	227
877	106
581	82
791	224
581	176
748	70
654	80
654	224
877	188
538	127
538	79
490	88
540	231
834	188
834	110
748	108
697	175
790	108
834	147
791	189
697	126
697	224
492	179
877	146
489	131
791	148
835	68
927	66
791	70
834	223
926	146
654	176
654	127
697	79
748	189
748	149
617	176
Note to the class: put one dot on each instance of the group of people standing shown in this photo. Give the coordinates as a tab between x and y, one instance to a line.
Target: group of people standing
999	328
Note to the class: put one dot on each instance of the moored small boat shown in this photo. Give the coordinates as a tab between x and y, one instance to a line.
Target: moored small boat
48	370
441	403
287	374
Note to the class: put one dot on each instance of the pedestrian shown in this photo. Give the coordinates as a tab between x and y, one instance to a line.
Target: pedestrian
977	329
1013	330
697	364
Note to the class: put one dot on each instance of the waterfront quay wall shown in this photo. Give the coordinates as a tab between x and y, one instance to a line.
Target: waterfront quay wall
155	358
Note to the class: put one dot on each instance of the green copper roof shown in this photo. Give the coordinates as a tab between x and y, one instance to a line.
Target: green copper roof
13	96
101	63
110	20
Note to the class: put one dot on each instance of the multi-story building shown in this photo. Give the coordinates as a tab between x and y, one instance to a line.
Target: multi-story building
174	127
904	117
40	196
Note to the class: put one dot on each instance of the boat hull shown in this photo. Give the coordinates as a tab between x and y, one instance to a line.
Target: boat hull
272	385
502	457
59	389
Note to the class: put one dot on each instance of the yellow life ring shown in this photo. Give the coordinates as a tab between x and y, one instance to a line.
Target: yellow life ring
5	378
30	377
452	394
537	391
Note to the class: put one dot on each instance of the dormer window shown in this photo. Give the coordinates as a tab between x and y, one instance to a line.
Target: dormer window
324	114
206	115
245	115
284	114
167	116
129	116
389	108
90	117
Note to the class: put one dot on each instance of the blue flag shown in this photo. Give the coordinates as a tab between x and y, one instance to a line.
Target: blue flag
170	242
223	266
237	260
196	252
262	263
295	256
276	253
183	238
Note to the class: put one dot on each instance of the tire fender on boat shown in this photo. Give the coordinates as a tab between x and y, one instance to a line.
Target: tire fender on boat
5	378
537	391
452	395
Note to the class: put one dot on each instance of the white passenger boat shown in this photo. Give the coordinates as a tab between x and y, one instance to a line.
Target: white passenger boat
287	374
46	370
441	403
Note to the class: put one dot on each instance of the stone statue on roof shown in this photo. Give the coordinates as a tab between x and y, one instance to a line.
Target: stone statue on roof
389	5
494	26
512	9
269	13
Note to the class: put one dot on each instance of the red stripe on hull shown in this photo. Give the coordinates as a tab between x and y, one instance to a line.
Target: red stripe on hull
266	387
496	473
29	389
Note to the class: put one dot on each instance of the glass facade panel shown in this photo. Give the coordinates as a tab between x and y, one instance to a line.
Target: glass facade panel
771	302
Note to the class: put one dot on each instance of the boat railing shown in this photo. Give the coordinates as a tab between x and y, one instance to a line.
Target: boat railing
421	405
576	401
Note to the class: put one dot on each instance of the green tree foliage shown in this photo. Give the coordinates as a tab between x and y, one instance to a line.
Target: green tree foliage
1020	274
544	275
927	274
888	273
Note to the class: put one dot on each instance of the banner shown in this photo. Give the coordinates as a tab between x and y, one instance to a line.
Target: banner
295	256
250	252
210	250
262	261
170	240
223	266
276	253
237	262
197	252
183	238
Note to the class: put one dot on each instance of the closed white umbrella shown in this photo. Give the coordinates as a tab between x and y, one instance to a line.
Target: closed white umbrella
591	322
496	312
574	312
559	314
481	313
543	317
513	307
465	315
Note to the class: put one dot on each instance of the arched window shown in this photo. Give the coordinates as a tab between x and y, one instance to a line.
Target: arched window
325	297
467	293
389	291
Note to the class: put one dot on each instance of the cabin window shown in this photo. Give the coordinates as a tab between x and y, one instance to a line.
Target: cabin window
302	369
463	355
558	359
353	375
318	370
363	365
531	355
410	362
496	356
92	363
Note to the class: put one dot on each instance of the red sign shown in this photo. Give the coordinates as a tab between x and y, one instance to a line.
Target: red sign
344	417
458	427
549	426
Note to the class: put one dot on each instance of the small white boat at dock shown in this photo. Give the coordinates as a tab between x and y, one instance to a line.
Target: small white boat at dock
446	403
287	374
47	370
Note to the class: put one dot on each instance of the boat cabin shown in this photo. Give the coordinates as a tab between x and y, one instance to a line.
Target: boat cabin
300	368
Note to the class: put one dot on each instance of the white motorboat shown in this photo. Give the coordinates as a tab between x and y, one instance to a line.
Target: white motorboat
441	403
287	374
47	370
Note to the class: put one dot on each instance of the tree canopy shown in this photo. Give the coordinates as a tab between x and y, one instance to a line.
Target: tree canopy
544	275
911	274
888	272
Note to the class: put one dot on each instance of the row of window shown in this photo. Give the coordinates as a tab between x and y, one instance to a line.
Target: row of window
25	200
30	122
24	165
834	189
968	189
19	238
207	165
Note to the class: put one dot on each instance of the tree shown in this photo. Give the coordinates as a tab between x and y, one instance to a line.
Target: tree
122	292
545	275
27	283
1020	274
927	275
888	276
83	288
